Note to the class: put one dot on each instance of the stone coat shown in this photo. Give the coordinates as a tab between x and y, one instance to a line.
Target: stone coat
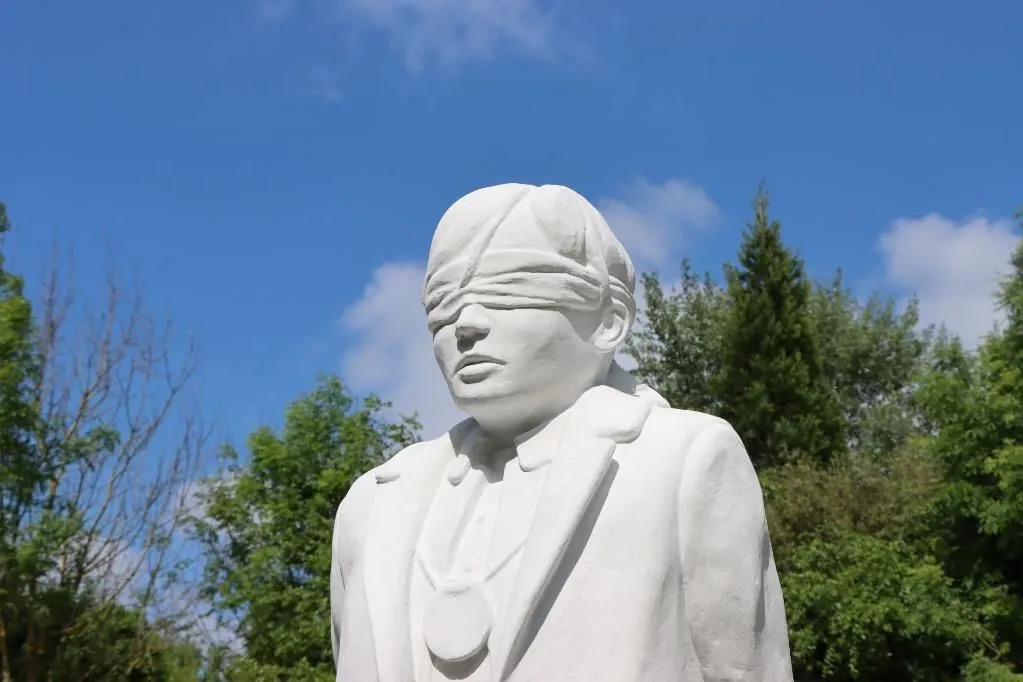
648	558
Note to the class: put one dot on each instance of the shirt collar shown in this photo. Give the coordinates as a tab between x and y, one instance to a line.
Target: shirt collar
533	449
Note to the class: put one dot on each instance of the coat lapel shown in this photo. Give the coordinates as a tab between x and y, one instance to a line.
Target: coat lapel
600	419
403	495
575	475
456	495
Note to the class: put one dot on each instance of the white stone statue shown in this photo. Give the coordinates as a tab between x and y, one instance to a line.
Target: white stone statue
576	527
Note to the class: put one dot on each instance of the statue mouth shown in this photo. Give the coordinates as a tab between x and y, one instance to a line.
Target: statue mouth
475	360
473	369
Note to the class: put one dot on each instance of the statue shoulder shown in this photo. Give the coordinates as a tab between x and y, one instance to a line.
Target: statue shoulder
687	420
352	516
353	512
418	454
360	494
673	429
693	448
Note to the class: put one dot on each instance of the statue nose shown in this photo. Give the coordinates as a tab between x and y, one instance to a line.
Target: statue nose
473	323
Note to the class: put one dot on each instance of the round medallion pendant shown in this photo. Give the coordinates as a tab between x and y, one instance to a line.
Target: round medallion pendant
458	622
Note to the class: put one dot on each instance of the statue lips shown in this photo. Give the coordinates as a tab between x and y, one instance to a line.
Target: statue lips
474	367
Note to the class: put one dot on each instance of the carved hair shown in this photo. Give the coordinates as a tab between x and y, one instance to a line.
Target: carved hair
514	246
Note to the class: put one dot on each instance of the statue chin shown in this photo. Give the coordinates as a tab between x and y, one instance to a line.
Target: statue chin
505	408
504	423
511	416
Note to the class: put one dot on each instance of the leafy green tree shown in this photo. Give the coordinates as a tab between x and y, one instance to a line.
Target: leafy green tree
908	567
888	499
21	473
772	383
871	354
862	607
88	508
268	525
678	345
865	595
975	409
84	638
184	661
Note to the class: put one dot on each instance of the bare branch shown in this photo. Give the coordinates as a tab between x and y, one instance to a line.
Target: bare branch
122	439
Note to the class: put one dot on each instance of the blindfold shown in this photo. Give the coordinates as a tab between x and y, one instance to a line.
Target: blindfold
514	278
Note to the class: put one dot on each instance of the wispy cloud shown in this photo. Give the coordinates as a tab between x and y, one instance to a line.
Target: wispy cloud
446	33
390	350
454	31
952	266
653	221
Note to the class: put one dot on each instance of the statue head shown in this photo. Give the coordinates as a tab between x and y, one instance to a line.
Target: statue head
528	294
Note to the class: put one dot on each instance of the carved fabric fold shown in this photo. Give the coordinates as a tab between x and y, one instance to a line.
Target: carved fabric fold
514	278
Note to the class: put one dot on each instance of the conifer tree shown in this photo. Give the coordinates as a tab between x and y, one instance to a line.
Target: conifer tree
772	386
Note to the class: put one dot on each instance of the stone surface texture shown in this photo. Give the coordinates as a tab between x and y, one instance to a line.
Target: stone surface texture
576	527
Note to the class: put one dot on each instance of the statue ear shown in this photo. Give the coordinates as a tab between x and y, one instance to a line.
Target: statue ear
614	327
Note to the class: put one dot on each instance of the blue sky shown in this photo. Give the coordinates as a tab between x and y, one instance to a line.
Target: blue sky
271	171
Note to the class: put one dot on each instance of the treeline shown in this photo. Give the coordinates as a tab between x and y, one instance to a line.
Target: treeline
891	458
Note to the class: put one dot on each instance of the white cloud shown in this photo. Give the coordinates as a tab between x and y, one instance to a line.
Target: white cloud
390	352
953	267
652	220
190	501
446	33
454	31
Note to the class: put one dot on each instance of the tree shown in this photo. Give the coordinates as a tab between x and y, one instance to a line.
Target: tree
677	346
871	355
772	384
862	607
865	595
908	567
268	524
23	539
975	408
859	542
93	470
